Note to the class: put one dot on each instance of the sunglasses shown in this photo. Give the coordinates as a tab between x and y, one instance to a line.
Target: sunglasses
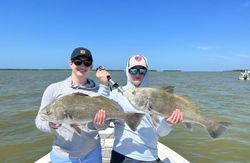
79	62
134	71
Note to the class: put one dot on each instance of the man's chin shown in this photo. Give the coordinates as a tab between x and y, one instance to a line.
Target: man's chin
137	83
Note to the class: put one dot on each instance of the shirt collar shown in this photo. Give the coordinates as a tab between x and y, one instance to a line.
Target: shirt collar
87	85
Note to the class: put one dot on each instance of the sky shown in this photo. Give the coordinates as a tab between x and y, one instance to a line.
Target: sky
188	35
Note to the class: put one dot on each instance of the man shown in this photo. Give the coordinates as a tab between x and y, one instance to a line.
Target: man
140	145
69	146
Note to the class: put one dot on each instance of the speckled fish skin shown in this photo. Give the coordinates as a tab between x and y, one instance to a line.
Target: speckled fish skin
77	108
162	101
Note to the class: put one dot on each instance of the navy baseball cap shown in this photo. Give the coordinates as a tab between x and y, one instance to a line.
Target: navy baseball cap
81	52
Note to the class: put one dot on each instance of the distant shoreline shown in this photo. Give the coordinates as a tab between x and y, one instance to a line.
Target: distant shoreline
171	71
35	69
10	69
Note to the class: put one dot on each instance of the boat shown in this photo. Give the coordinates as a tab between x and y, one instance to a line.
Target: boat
165	154
245	75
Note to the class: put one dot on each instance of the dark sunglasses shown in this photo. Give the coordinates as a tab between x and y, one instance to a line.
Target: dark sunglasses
134	71
79	62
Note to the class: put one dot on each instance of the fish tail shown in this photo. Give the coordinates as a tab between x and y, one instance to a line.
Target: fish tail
216	129
133	120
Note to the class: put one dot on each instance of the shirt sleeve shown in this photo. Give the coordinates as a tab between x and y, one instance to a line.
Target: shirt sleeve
46	100
164	127
104	90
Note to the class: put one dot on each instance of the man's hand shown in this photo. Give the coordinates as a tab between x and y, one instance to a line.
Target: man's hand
101	75
175	118
100	117
54	126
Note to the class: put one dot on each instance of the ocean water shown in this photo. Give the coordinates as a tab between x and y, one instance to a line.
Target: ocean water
220	95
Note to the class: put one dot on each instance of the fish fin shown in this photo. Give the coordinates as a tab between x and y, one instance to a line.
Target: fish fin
133	120
216	129
76	128
169	89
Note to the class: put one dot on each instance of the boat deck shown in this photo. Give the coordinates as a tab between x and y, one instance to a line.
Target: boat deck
166	154
107	143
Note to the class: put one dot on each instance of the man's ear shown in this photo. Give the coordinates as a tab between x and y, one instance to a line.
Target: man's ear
70	63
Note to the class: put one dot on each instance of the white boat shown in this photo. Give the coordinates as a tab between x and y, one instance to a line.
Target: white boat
245	75
241	78
165	154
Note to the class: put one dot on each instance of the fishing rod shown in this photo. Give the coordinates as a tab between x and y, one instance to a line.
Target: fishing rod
111	82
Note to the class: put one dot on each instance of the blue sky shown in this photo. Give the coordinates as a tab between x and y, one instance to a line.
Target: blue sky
189	35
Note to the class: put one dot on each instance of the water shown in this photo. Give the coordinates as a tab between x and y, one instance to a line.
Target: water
220	95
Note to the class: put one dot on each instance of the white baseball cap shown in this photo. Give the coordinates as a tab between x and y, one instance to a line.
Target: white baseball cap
137	60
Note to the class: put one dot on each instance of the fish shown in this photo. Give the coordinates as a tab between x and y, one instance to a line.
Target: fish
162	101
78	109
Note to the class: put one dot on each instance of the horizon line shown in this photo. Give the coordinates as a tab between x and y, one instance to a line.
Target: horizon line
62	69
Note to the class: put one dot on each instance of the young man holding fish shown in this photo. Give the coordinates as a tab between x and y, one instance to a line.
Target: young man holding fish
69	146
140	145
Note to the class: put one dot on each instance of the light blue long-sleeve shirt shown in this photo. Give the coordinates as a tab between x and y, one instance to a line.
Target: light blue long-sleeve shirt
67	143
142	143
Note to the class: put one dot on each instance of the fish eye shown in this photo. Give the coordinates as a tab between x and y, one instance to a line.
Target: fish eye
48	112
133	92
